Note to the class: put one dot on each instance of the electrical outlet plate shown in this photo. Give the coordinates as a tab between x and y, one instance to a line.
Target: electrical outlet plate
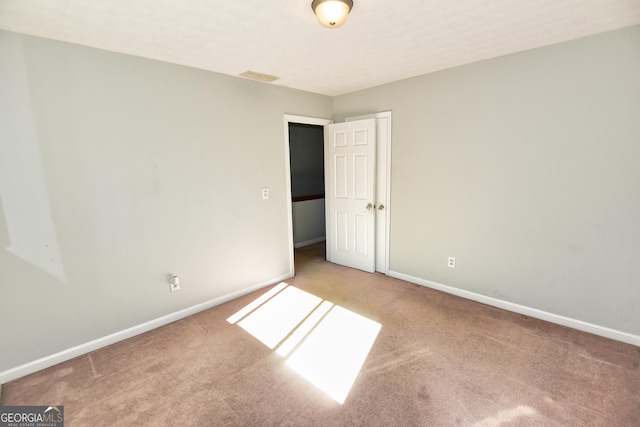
265	193
451	262
174	284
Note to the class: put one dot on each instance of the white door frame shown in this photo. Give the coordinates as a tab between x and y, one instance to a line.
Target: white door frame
289	118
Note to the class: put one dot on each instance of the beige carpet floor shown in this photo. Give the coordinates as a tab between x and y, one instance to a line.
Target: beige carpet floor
438	360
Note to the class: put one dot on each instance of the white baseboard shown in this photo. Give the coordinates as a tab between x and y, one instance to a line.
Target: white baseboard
521	309
309	242
96	344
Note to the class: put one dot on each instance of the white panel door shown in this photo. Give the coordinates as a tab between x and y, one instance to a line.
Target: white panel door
350	176
383	185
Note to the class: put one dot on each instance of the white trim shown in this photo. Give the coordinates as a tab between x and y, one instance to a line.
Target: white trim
310	242
521	309
290	118
79	350
383	115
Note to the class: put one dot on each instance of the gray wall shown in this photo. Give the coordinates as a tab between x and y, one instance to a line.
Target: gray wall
526	168
116	171
308	222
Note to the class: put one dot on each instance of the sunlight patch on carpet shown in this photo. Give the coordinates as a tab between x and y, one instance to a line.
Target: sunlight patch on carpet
324	343
331	357
304	329
276	318
256	303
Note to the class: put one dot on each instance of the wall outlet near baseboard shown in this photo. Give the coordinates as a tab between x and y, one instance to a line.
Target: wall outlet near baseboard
174	283
451	262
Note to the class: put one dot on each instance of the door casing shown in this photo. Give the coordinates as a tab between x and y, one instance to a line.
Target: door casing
289	118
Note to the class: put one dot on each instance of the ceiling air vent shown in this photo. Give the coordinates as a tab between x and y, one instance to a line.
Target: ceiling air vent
259	76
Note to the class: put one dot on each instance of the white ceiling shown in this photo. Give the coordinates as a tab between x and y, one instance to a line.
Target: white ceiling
382	41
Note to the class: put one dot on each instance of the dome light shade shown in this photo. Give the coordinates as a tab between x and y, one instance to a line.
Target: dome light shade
332	13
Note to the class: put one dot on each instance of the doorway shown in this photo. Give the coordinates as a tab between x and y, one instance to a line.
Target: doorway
383	182
300	120
306	153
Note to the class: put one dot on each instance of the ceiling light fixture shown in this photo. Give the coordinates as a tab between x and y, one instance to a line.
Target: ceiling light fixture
332	13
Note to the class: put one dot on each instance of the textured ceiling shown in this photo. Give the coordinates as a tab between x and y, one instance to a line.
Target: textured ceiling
382	41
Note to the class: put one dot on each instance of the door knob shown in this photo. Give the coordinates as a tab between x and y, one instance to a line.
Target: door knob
381	207
369	207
